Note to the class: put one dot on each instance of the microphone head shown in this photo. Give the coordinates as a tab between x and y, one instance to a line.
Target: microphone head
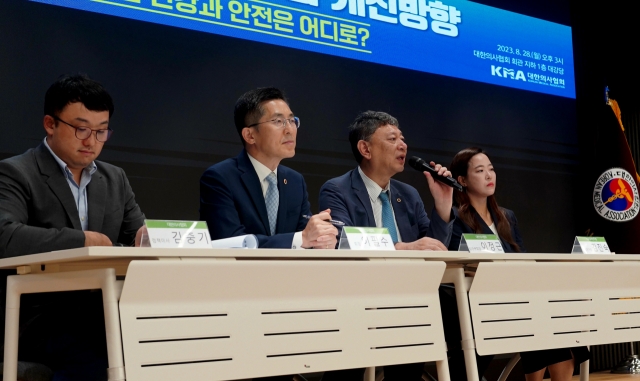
416	163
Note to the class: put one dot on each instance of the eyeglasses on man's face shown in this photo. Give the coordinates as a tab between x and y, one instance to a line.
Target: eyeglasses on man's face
82	133
281	122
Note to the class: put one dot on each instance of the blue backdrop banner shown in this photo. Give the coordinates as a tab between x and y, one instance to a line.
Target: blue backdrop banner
455	38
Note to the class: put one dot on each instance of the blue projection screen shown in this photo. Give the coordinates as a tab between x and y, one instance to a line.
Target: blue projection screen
455	38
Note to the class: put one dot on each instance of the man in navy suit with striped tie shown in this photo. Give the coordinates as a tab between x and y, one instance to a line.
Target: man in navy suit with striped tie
368	196
252	193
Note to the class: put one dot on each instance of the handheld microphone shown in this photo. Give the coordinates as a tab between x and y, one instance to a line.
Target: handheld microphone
420	165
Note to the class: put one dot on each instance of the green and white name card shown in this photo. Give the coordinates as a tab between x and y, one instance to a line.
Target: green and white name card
590	245
178	234
480	243
362	238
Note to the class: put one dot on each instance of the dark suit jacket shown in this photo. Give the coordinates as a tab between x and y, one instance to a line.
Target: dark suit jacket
460	228
38	212
349	202
232	203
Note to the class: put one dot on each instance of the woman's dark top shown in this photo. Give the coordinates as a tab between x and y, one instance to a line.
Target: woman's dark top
459	228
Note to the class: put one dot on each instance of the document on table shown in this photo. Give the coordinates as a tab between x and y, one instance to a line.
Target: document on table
248	241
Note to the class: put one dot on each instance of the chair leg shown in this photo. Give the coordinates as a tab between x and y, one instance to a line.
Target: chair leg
380	374
443	371
110	296
12	327
584	371
462	286
104	279
370	374
510	365
426	376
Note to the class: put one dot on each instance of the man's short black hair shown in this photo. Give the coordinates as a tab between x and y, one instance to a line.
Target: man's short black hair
77	88
249	109
365	125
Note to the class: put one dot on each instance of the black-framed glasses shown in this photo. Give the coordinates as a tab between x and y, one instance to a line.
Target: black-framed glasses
282	122
82	133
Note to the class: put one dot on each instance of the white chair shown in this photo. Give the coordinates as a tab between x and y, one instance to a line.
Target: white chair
104	279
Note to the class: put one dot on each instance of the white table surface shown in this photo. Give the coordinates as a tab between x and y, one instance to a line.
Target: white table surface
111	254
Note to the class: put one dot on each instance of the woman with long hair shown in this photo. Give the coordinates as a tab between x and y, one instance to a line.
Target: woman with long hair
477	211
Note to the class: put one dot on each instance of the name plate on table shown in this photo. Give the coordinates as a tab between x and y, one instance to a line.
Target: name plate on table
359	238
590	245
480	243
178	234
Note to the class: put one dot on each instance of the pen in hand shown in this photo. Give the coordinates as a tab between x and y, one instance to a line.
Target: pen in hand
334	222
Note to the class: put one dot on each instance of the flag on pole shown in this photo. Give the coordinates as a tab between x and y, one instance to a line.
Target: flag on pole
615	185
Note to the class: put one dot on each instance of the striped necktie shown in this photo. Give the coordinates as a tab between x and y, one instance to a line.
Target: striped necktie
272	200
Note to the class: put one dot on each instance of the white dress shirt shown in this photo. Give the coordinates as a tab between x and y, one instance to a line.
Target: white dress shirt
263	172
374	190
79	191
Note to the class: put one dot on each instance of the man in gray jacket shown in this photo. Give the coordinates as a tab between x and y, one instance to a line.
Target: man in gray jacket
58	196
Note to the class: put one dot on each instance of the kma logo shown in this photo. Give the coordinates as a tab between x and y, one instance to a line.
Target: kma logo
503	72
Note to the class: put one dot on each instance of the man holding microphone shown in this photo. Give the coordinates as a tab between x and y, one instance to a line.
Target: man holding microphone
367	196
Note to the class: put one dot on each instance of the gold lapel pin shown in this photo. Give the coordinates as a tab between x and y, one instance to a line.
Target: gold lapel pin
398	199
285	181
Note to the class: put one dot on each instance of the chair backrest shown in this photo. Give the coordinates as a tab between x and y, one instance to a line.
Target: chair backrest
540	305
224	320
